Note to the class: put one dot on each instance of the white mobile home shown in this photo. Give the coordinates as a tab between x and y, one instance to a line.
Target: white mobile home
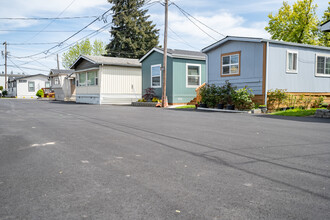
27	86
107	80
63	84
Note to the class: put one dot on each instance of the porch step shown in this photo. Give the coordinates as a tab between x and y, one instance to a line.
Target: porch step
192	102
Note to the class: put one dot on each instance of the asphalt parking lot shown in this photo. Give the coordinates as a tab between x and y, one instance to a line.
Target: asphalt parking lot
74	161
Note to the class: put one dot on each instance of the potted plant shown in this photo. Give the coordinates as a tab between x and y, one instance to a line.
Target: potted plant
221	98
263	108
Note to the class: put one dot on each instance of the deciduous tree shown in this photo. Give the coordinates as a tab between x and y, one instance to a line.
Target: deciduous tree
82	48
296	23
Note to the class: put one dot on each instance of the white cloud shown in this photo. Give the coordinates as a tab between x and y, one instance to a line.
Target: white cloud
223	22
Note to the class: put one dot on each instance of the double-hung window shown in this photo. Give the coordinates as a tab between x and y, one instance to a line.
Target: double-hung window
31	86
322	65
193	75
47	84
292	62
56	81
155	76
82	79
230	64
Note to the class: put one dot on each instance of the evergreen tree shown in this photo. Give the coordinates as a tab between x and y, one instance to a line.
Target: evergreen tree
295	24
325	36
132	34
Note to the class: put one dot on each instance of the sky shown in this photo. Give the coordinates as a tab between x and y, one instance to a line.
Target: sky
226	17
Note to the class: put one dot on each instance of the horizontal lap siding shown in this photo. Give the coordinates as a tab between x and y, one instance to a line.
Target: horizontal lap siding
303	81
251	65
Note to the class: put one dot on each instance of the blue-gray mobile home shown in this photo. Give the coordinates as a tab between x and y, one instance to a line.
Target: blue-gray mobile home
185	72
263	65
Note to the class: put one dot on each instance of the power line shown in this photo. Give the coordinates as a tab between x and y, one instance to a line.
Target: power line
15	65
182	40
51	31
48	18
186	14
52	21
60	44
103	17
33	43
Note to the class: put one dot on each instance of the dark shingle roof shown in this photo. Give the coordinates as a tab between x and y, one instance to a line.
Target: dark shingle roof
59	71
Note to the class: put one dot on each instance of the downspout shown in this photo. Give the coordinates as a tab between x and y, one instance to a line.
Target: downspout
267	59
207	69
99	81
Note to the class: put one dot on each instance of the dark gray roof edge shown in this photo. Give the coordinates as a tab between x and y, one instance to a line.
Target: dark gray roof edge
324	22
177	53
107	63
28	76
252	39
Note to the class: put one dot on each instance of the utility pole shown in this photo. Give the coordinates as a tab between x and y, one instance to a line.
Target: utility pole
58	62
164	97
6	83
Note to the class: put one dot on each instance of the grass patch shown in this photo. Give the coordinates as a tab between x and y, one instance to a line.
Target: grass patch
296	112
185	107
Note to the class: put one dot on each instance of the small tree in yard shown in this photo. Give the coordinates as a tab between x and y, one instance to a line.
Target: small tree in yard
149	94
1	88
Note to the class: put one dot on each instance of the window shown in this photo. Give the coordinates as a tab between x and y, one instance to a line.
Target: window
82	79
230	64
56	81
47	84
87	79
155	76
323	65
292	62
92	79
22	81
193	74
31	87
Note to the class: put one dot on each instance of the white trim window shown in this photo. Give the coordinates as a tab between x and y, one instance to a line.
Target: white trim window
31	86
56	81
193	75
292	61
322	65
156	76
47	84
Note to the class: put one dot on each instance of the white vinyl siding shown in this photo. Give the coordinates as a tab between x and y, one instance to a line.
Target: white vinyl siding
292	62
156	76
323	65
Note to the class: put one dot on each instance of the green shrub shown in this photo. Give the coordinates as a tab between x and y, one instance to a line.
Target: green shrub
242	99
275	98
142	100
1	88
40	93
4	93
318	102
209	95
155	99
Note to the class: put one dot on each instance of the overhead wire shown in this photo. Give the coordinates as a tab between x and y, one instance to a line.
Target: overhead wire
52	21
188	15
48	18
